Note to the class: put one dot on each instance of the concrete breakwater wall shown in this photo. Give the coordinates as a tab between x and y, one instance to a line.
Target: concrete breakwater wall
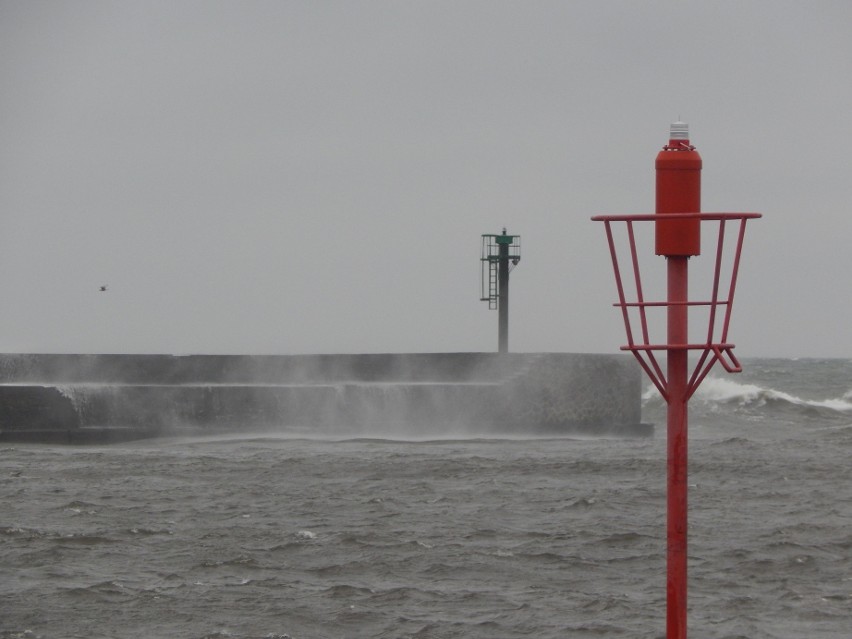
100	398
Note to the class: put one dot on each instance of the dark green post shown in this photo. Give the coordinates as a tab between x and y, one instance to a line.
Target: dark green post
503	242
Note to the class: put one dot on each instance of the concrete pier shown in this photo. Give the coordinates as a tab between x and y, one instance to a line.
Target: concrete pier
104	398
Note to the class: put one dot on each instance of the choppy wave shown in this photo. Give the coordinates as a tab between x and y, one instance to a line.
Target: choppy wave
717	389
727	392
479	539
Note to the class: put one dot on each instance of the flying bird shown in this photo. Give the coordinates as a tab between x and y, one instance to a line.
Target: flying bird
103	288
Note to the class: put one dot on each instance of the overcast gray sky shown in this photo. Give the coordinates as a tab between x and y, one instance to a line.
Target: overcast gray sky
296	177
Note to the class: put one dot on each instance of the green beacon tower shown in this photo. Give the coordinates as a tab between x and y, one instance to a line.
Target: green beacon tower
500	253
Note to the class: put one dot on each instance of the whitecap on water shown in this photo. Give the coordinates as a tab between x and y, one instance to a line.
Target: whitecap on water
306	535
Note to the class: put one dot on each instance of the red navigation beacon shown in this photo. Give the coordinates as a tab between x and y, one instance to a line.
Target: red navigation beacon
677	232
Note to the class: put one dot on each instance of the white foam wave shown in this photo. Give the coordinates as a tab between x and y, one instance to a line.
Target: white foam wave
306	535
720	390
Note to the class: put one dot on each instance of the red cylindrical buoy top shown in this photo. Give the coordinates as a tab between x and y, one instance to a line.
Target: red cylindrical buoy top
678	191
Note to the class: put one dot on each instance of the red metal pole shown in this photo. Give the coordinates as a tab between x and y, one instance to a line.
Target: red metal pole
676	433
678	169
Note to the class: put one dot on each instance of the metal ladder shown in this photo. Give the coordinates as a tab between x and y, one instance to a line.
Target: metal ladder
492	284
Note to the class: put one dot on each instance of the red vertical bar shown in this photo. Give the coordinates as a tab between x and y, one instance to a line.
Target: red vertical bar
678	337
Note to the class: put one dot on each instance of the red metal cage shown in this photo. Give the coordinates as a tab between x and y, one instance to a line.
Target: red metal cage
715	347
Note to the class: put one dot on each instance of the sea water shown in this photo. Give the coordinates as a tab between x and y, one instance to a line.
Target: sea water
277	536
